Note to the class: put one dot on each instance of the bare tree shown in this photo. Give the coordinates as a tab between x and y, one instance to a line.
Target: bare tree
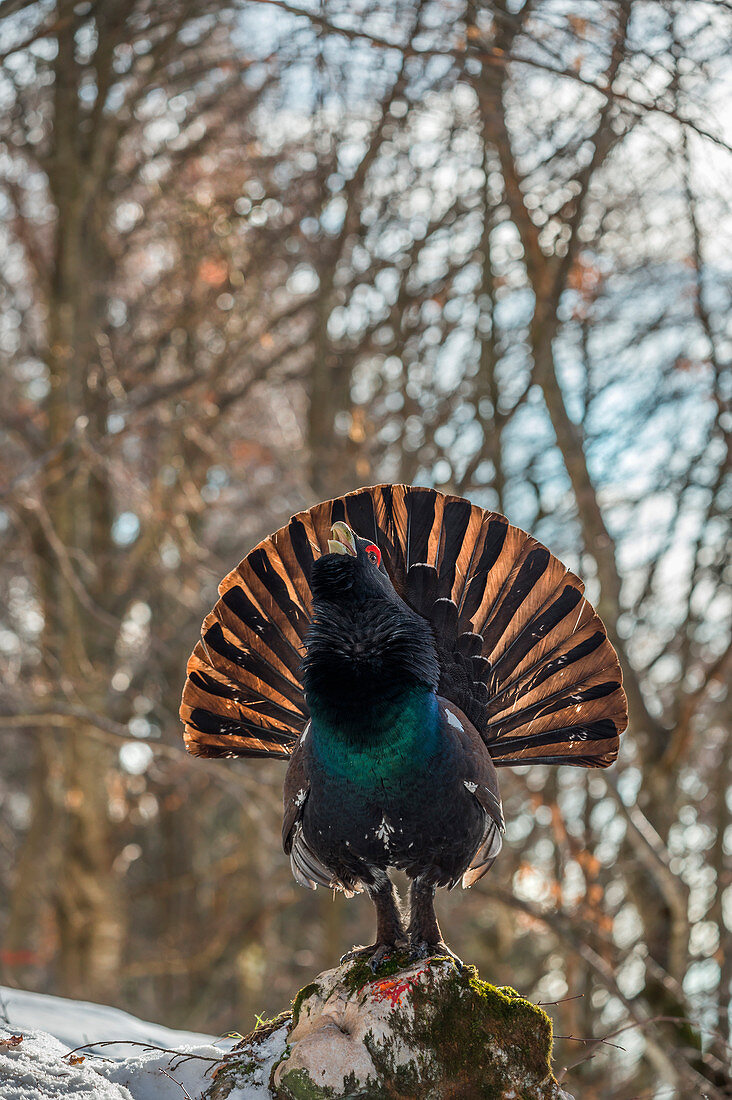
258	255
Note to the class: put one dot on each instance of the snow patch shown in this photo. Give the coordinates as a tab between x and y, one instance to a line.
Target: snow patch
76	1022
155	1075
252	1083
36	1065
34	1069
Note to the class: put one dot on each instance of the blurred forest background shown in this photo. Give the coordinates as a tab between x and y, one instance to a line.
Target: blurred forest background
253	255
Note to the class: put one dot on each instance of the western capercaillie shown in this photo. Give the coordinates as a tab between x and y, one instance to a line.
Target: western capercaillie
397	645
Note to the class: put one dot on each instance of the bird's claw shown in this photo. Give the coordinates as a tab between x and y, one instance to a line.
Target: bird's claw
375	953
358	953
422	950
380	955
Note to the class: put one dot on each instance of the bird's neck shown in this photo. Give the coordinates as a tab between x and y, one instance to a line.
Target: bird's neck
388	737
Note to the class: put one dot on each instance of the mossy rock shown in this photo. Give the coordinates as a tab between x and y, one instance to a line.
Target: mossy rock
424	1031
248	1066
420	1031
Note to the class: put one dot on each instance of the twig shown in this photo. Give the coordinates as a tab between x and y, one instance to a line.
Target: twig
489	55
588	1042
145	1046
628	1027
180	1085
561	1001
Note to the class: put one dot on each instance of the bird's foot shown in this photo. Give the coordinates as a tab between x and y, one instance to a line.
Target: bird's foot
375	953
420	949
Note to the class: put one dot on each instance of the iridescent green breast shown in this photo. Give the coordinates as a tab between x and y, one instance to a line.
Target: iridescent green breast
382	746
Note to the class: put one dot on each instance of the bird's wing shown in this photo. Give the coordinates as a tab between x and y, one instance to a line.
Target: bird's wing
296	791
522	653
478	775
308	869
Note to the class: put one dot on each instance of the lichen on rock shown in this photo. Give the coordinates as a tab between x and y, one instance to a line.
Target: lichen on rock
421	1031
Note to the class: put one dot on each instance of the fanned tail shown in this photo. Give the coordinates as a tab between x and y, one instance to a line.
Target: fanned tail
522	653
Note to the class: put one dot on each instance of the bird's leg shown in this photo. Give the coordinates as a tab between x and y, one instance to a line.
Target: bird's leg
390	933
425	938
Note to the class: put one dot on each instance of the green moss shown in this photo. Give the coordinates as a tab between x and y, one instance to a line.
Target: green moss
299	1085
361	974
477	1038
277	1063
300	997
246	1069
398	1079
517	1023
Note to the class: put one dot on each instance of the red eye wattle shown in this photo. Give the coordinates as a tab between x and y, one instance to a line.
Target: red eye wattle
373	554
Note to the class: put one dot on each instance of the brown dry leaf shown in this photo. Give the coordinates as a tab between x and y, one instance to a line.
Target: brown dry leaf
12	1041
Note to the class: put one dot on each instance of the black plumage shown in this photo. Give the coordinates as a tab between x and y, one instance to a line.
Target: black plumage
433	642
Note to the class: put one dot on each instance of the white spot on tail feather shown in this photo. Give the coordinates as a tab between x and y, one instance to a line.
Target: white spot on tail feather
384	831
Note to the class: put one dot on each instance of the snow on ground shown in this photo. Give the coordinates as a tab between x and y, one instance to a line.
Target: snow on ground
32	1068
77	1022
155	1075
39	1031
143	1075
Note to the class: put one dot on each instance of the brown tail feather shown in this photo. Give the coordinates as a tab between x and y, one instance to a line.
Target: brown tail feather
522	651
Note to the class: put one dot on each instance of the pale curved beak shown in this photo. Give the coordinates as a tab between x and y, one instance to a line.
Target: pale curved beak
343	540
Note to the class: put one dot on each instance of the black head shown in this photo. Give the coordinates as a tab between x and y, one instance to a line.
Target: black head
352	572
363	639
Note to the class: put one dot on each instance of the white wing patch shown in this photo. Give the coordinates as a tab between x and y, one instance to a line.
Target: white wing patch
472	787
300	797
453	719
